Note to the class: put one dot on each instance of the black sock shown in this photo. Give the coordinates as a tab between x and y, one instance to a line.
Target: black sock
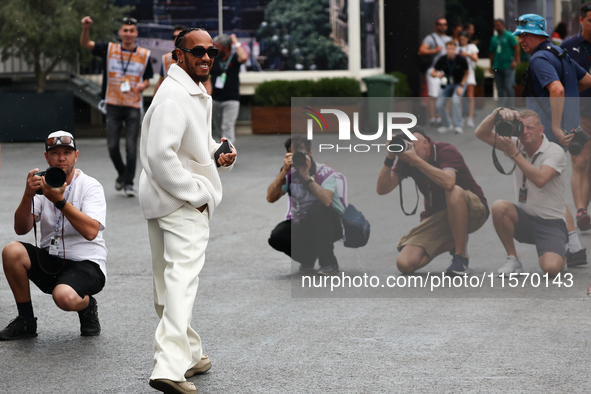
90	304
25	309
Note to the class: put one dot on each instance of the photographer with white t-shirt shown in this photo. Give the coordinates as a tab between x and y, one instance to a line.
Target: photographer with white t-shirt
70	262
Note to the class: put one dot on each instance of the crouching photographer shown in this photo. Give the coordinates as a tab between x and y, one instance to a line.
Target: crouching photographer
454	203
314	209
70	209
538	216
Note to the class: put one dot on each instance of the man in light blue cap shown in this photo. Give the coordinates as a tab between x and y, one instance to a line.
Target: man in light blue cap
552	89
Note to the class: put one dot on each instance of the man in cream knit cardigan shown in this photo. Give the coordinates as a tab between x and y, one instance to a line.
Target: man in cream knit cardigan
179	190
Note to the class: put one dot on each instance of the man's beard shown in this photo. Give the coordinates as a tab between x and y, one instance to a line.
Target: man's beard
200	78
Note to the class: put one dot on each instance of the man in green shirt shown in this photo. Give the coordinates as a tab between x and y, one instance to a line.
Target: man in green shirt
504	56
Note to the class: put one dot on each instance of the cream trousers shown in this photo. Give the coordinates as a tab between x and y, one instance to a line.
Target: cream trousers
178	243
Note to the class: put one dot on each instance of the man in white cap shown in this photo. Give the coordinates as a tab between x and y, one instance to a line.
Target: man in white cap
70	262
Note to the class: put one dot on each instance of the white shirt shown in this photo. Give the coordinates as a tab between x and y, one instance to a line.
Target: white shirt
470	49
87	195
546	202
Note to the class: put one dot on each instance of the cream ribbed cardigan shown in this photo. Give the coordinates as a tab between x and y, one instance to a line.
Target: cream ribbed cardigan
176	149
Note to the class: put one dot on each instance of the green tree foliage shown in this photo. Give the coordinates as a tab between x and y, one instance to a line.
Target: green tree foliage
296	35
46	32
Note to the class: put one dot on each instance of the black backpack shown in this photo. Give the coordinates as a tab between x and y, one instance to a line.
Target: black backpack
356	226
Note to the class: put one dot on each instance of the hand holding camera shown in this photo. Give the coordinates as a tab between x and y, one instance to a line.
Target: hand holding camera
574	140
287	162
402	147
50	182
303	163
507	123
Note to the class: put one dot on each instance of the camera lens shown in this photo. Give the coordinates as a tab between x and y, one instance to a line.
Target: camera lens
505	129
400	140
299	158
55	177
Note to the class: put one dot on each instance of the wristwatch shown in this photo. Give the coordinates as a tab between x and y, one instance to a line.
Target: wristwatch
61	204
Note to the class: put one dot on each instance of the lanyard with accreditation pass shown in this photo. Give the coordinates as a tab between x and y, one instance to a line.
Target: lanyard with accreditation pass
54	244
220	81
125	85
523	190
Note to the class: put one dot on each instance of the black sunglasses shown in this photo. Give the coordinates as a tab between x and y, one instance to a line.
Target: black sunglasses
201	51
130	21
524	23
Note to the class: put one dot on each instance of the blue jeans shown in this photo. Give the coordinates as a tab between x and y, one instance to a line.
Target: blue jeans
116	117
456	105
505	79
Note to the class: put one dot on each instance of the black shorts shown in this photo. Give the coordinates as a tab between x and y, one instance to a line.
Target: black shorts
85	277
549	235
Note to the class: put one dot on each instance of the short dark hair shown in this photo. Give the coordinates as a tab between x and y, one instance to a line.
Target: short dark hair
180	40
451	43
500	20
419	129
297	142
585	7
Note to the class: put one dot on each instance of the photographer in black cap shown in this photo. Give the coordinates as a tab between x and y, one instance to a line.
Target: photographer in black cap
70	263
454	203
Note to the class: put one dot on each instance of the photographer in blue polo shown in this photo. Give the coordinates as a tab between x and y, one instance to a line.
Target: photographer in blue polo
552	89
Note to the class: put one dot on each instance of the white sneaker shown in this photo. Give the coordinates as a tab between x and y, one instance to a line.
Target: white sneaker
511	266
458	130
470	122
444	129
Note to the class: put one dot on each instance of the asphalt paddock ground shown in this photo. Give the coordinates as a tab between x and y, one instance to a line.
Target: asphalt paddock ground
262	333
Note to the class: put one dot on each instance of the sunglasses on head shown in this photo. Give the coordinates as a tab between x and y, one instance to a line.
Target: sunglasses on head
130	21
200	51
63	140
524	22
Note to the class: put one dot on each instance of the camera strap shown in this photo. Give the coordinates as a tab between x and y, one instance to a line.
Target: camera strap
496	162
402	204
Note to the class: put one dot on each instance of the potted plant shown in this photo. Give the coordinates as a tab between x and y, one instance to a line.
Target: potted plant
271	113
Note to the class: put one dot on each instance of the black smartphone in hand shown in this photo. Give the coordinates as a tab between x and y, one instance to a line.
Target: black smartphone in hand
224	148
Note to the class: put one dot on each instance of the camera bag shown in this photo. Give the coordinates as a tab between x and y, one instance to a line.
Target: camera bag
356	227
425	62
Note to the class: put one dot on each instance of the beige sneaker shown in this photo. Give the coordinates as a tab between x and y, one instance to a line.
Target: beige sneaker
202	366
170	386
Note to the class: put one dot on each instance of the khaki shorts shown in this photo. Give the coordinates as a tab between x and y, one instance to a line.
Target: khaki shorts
434	232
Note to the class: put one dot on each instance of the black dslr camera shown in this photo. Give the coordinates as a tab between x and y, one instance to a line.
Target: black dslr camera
580	139
401	140
508	129
299	158
54	177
